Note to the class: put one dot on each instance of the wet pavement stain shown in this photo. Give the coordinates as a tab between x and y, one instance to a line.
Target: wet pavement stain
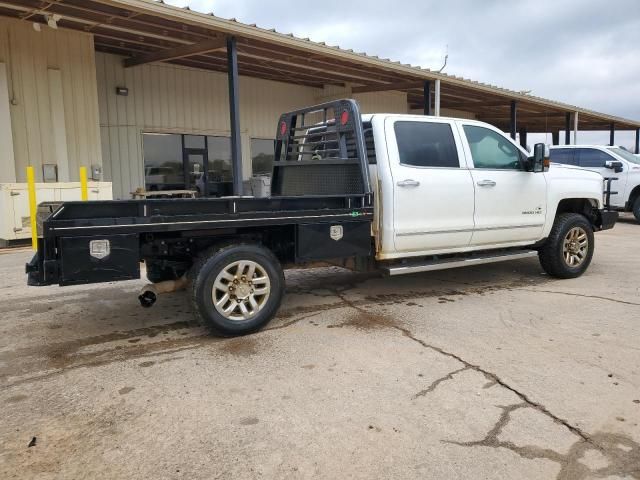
62	354
241	346
366	321
16	398
40	369
445	300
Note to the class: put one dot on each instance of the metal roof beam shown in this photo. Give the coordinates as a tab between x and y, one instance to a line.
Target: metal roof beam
521	116
389	86
181	51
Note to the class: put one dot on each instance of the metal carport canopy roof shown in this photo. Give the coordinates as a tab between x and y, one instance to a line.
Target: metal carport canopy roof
148	31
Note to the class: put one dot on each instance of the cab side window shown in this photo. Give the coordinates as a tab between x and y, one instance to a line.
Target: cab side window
491	150
592	158
563	155
426	144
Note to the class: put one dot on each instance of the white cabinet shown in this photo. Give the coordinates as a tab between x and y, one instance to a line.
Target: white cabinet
15	222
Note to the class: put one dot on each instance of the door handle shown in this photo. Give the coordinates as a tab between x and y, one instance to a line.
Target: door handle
486	183
408	183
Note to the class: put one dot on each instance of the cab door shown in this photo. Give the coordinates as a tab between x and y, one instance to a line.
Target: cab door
510	203
433	196
595	160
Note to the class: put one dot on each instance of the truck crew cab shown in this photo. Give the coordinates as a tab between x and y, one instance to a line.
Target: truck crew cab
394	193
610	162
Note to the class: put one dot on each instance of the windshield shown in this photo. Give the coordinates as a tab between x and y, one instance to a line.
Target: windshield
628	156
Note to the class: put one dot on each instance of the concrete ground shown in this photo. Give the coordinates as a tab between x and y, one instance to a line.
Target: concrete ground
492	372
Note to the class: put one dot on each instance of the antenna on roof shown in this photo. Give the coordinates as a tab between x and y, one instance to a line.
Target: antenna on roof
446	57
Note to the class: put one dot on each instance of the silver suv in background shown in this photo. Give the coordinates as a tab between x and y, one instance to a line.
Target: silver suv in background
609	161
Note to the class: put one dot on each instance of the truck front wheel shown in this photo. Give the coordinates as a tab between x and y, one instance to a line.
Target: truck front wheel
237	289
569	248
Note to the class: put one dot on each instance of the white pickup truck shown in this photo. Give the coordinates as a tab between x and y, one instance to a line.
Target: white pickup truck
610	162
393	193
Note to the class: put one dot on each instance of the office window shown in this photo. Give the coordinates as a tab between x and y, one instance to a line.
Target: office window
194	141
426	144
163	162
262	154
219	159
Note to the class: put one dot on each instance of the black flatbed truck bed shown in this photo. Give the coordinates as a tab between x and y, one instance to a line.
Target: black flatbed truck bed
232	249
146	229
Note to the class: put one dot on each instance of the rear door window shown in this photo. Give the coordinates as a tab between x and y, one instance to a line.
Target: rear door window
563	155
426	144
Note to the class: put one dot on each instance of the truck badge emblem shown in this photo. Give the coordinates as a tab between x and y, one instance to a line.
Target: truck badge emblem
335	232
99	249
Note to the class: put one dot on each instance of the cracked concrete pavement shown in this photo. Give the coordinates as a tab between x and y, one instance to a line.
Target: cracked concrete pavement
490	372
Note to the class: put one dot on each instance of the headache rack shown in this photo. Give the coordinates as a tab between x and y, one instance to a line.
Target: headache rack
321	150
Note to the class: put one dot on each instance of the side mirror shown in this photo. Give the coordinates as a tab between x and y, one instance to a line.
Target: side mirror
614	165
539	161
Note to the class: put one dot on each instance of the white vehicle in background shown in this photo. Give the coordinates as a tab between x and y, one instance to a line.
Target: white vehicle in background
610	162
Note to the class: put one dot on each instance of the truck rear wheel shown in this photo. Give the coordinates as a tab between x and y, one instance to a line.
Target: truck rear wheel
237	289
636	208
569	248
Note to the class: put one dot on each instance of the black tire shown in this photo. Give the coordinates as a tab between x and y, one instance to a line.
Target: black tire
551	254
636	209
207	268
157	272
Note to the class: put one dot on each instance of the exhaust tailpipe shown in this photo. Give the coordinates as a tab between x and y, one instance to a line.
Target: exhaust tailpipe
149	293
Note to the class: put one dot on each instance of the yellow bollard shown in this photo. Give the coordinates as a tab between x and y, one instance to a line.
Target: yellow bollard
31	182
84	193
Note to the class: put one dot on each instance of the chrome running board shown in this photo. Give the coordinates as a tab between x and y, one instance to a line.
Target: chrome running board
456	262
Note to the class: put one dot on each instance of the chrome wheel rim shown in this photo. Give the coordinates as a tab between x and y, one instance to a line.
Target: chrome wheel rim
575	247
241	290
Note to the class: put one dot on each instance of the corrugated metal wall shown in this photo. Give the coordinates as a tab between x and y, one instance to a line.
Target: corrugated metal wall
42	67
169	98
449	112
378	102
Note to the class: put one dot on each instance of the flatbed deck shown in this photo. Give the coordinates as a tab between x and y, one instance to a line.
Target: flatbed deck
170	215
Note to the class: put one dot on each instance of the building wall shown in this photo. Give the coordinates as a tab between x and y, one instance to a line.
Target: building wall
49	89
449	112
376	102
173	99
169	98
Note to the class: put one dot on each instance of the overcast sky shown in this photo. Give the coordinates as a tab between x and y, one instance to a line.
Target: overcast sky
581	52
